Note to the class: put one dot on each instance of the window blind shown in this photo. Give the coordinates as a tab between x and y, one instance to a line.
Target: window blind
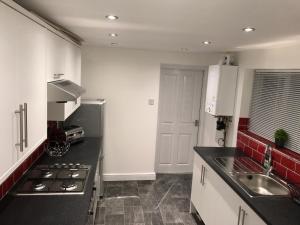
276	104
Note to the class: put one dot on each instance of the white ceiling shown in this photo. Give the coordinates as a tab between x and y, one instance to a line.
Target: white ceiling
174	25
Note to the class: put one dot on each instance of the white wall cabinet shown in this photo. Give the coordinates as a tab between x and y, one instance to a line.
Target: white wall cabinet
63	62
23	80
31	63
8	40
221	88
211	196
56	57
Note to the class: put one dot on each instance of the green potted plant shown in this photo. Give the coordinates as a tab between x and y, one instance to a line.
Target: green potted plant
281	138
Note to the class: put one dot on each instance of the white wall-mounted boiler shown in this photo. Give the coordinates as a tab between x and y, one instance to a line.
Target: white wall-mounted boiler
221	90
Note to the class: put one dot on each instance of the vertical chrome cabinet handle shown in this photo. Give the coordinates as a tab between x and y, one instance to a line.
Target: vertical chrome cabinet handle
239	216
20	111
26	125
243	218
203	177
201	174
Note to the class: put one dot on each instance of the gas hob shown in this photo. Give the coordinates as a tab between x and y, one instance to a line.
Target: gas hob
56	179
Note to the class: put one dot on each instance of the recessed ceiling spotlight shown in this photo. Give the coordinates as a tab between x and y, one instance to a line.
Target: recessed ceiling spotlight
113	35
206	42
248	29
111	17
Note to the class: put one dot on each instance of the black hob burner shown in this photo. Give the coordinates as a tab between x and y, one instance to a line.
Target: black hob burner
64	178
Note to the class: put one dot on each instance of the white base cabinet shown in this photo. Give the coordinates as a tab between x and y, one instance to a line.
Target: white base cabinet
215	201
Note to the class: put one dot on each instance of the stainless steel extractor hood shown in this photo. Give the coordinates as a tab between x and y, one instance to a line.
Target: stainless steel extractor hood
63	91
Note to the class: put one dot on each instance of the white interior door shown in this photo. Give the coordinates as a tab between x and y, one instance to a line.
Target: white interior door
179	108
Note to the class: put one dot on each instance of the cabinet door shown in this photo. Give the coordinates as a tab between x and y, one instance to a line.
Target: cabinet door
55	57
73	62
251	218
196	187
31	53
227	203
73	73
208	198
8	90
203	193
212	197
71	55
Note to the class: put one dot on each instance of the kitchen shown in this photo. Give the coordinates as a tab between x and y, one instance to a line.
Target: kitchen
154	71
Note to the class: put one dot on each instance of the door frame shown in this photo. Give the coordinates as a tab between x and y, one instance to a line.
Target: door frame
203	69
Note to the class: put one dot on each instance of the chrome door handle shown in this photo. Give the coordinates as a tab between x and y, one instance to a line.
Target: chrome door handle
201	174
203	177
26	125
243	217
20	111
239	216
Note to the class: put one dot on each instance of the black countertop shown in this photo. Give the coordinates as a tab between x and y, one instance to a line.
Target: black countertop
55	209
273	210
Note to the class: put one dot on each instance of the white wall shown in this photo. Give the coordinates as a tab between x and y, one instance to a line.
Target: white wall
127	79
276	58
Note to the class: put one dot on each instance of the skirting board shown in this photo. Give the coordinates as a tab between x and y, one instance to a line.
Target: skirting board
128	176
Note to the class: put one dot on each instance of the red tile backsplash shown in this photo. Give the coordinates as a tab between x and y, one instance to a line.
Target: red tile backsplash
1	191
8	183
276	156
253	144
293	176
248	151
280	170
297	168
258	157
245	140
289	163
286	163
261	148
18	173
240	145
243	123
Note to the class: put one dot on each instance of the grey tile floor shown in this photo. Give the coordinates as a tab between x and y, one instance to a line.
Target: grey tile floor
164	201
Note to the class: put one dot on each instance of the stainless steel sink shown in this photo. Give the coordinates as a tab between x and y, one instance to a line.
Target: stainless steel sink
261	185
250	176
